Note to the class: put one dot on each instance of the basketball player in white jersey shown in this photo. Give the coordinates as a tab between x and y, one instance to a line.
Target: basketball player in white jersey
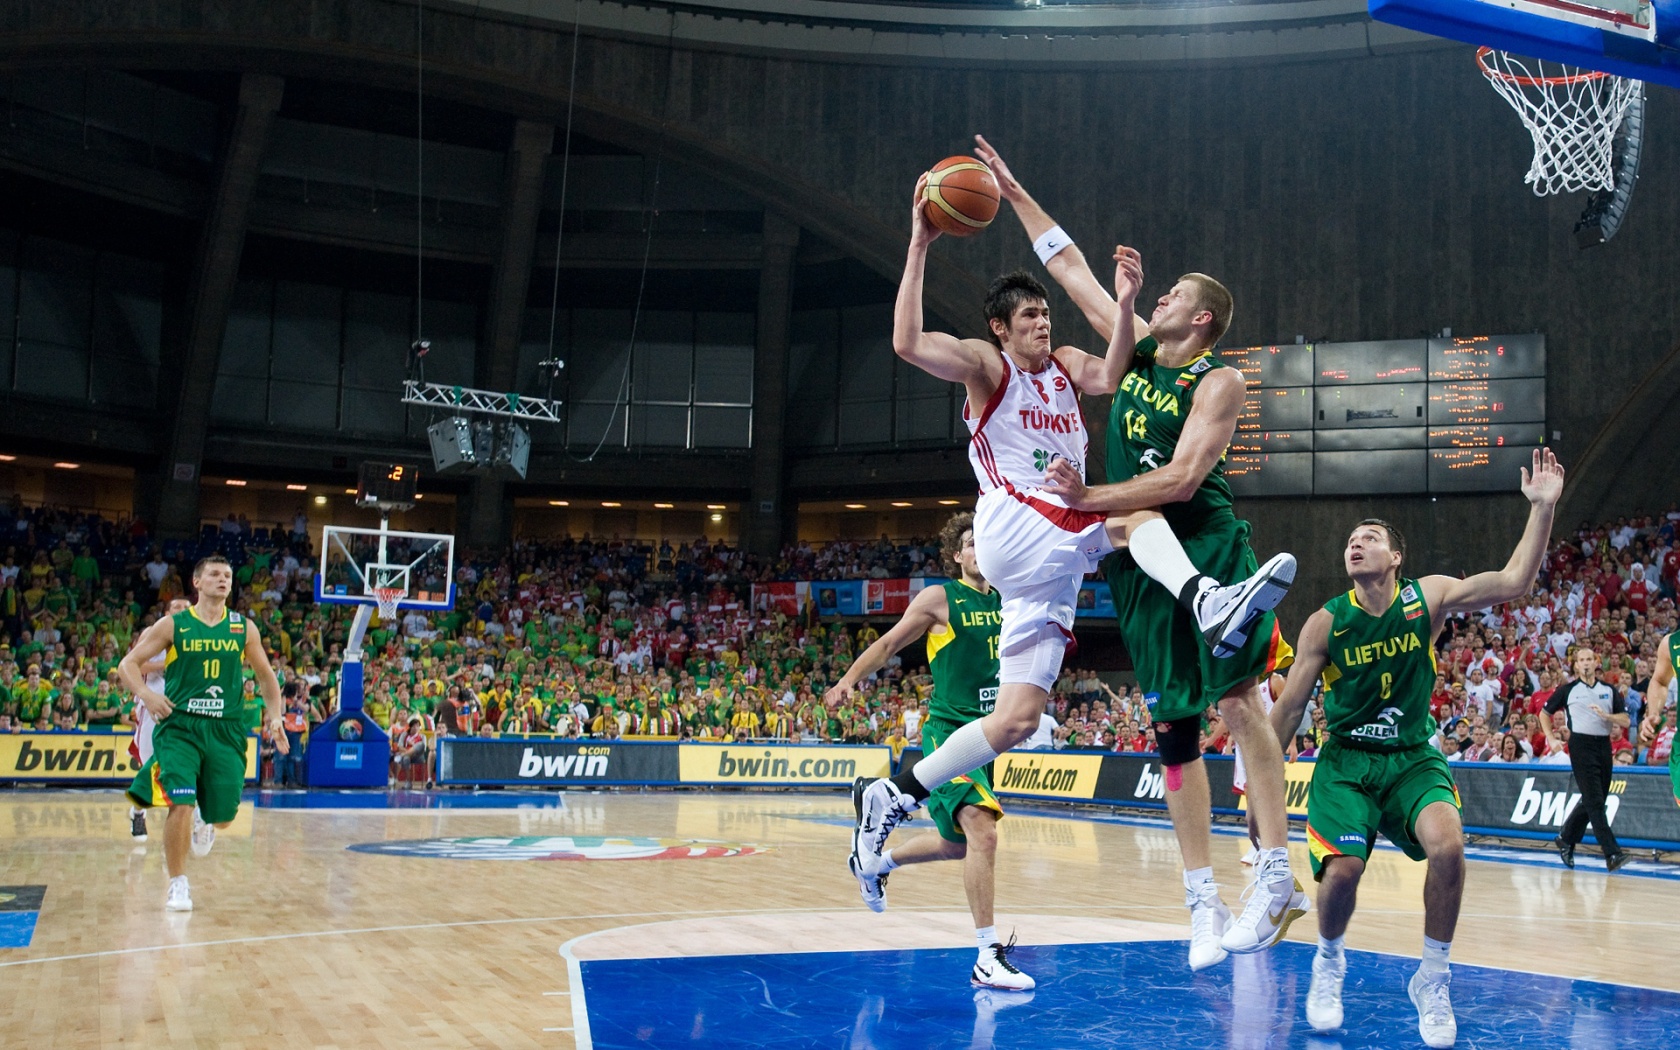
141	746
1270	688
1023	414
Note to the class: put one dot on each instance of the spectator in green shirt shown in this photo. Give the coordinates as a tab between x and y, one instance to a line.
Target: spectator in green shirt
84	571
105	708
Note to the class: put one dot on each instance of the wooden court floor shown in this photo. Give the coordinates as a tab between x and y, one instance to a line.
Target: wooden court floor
298	940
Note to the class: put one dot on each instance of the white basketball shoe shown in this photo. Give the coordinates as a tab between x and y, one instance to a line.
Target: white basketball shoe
180	898
203	835
994	970
1432	995
1227	614
1324	996
1208	920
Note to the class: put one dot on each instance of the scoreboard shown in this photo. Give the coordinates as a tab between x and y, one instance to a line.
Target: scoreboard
393	484
1388	417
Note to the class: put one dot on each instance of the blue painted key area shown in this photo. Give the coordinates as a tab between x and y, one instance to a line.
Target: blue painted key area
1138	994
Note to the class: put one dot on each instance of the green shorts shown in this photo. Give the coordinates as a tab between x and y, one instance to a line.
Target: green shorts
1674	774
1357	793
195	761
1170	657
971	789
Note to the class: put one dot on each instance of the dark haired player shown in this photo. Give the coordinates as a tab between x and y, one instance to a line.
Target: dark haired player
199	745
1374	648
960	619
1172	419
1032	545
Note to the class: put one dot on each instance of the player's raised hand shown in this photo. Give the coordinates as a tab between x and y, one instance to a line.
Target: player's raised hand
1128	275
1008	188
1063	479
1544	486
922	232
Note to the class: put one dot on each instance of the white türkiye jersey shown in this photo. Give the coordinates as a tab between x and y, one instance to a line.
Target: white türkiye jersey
1031	420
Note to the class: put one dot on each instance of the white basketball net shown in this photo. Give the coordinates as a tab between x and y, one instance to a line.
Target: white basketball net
1572	115
387	598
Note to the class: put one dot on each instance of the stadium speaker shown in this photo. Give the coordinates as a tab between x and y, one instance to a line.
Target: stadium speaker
515	449
1607	208
452	443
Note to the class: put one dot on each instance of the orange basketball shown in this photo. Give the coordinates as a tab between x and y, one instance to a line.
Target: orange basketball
961	196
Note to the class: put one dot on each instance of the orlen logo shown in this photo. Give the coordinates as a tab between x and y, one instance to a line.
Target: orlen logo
1551	807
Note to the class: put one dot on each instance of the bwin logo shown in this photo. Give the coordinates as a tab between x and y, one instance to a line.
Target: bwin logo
1150	784
1552	807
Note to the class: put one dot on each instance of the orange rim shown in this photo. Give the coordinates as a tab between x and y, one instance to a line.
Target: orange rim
1514	78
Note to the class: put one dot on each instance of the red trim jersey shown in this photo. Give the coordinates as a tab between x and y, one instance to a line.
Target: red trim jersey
1031	420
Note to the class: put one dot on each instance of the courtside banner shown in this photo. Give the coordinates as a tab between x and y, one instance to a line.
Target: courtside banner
468	760
783	765
101	757
1530	801
1126	779
1047	774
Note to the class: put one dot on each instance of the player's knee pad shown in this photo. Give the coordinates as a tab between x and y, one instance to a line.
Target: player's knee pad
1179	740
1034	660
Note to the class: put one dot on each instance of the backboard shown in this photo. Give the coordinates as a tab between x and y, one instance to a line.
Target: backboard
357	562
1639	39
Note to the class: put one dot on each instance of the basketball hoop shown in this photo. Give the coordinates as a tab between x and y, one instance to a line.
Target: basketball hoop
387	598
1571	113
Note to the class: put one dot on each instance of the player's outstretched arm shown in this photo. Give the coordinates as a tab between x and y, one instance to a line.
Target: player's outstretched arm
1656	697
153	642
926	611
936	353
1067	266
1448	596
1312	655
1206	436
1101	375
267	684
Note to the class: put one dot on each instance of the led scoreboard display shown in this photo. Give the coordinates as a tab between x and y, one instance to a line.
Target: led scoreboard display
1390	416
393	483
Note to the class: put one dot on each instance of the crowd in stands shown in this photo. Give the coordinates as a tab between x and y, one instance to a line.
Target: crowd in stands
608	639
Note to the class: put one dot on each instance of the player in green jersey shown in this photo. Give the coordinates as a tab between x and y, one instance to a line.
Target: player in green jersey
1374	648
1657	705
1174	412
961	620
199	746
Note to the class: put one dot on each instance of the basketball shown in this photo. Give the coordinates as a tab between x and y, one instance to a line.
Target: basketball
961	196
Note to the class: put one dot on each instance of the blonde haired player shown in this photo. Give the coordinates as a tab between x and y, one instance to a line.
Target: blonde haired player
1032	545
140	748
199	745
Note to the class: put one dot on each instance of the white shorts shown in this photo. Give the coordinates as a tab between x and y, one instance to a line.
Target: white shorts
143	726
1035	551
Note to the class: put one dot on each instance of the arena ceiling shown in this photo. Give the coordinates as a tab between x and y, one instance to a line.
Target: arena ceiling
986	32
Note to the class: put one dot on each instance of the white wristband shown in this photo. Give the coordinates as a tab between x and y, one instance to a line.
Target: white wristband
1050	242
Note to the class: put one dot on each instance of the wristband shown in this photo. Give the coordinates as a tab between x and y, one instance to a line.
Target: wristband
1050	242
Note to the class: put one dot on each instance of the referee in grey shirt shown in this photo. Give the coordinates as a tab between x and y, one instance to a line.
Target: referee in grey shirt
1592	707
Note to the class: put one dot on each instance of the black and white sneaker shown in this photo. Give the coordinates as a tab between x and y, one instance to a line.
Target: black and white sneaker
880	807
1226	615
994	970
137	824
